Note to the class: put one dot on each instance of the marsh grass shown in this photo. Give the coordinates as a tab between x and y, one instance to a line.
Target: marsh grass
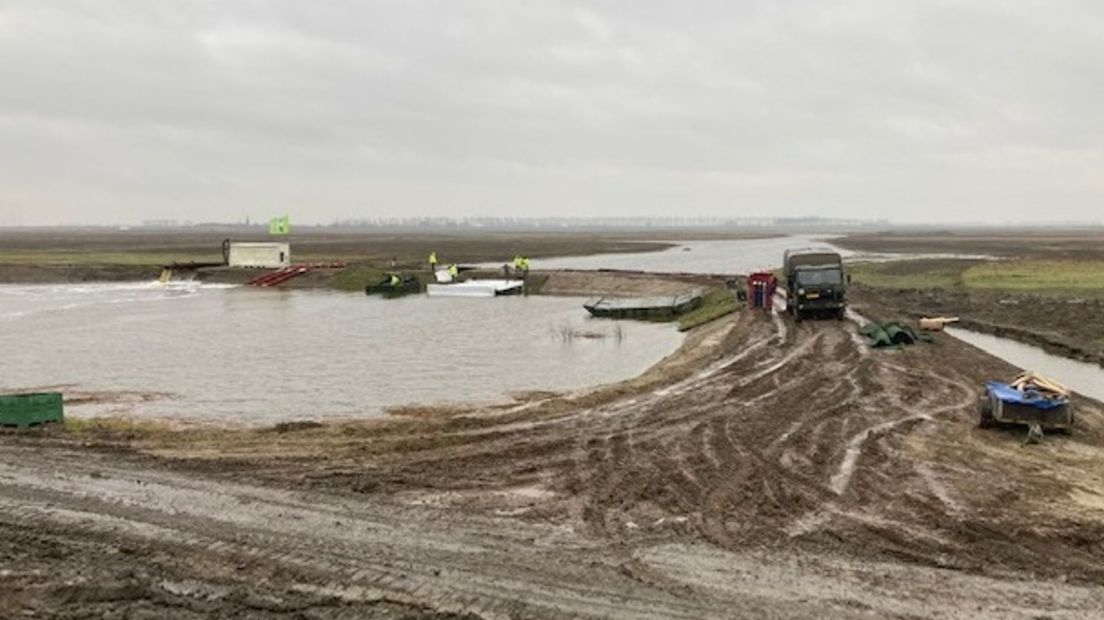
716	303
120	428
1056	277
571	333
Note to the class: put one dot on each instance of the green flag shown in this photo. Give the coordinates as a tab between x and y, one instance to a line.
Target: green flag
279	226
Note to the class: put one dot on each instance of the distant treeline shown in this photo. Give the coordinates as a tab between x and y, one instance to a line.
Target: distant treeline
556	223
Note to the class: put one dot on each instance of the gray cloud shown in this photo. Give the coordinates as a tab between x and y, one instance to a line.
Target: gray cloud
922	110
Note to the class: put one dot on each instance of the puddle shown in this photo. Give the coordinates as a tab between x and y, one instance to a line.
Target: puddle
1085	379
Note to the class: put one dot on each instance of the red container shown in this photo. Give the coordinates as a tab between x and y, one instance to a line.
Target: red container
761	286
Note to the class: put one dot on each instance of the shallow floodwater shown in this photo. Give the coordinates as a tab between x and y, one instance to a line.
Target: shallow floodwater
202	352
1083	378
709	257
725	257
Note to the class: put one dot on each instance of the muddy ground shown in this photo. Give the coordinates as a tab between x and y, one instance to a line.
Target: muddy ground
765	470
1049	243
80	255
1072	327
1066	321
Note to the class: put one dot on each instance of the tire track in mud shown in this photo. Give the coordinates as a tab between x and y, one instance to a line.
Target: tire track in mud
797	439
374	553
808	445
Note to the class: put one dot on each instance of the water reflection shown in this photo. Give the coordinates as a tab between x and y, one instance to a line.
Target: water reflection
1086	379
725	257
264	355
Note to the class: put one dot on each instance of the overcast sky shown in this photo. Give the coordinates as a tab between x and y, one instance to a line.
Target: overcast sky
123	111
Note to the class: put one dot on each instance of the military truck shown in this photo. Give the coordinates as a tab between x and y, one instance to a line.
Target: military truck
815	283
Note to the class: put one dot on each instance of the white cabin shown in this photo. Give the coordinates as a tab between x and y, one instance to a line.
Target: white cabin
260	255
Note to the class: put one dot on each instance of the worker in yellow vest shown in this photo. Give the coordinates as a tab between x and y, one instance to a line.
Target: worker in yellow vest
395	280
433	262
454	272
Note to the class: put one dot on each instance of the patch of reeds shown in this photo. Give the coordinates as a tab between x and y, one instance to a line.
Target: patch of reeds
571	333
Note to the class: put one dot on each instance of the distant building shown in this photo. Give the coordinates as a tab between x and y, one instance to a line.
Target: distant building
265	255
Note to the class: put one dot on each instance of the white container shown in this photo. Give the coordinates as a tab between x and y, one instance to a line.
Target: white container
260	255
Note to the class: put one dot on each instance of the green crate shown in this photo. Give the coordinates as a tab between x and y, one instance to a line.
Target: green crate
23	410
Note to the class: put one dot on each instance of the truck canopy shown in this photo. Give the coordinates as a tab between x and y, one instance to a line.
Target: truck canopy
810	257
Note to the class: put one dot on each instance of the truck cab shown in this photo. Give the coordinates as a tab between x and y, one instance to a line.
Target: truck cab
816	285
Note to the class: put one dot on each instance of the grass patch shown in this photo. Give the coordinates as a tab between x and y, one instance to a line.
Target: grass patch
717	302
356	277
115	428
915	274
1052	276
1055	277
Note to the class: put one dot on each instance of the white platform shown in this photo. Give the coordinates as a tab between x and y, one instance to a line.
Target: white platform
476	288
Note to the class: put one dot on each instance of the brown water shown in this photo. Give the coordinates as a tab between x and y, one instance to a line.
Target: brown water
1086	379
719	257
217	353
187	351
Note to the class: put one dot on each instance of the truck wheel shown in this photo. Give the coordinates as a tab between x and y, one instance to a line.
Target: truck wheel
985	413
797	316
841	314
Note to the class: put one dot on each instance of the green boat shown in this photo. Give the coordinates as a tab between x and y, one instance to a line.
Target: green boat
407	285
648	308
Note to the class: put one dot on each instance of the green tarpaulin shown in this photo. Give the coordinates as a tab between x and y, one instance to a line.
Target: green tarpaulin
892	334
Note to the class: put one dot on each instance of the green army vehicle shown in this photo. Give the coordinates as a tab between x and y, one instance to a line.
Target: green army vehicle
816	285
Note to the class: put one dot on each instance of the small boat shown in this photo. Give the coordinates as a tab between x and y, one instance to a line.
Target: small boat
406	285
477	288
650	308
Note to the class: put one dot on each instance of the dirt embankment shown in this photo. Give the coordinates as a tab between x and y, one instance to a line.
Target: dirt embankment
1081	244
76	255
786	471
1068	326
74	273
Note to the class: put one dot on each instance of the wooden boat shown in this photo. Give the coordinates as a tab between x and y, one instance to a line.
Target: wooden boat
649	308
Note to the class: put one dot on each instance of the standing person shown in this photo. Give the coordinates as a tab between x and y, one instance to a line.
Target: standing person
454	272
433	262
